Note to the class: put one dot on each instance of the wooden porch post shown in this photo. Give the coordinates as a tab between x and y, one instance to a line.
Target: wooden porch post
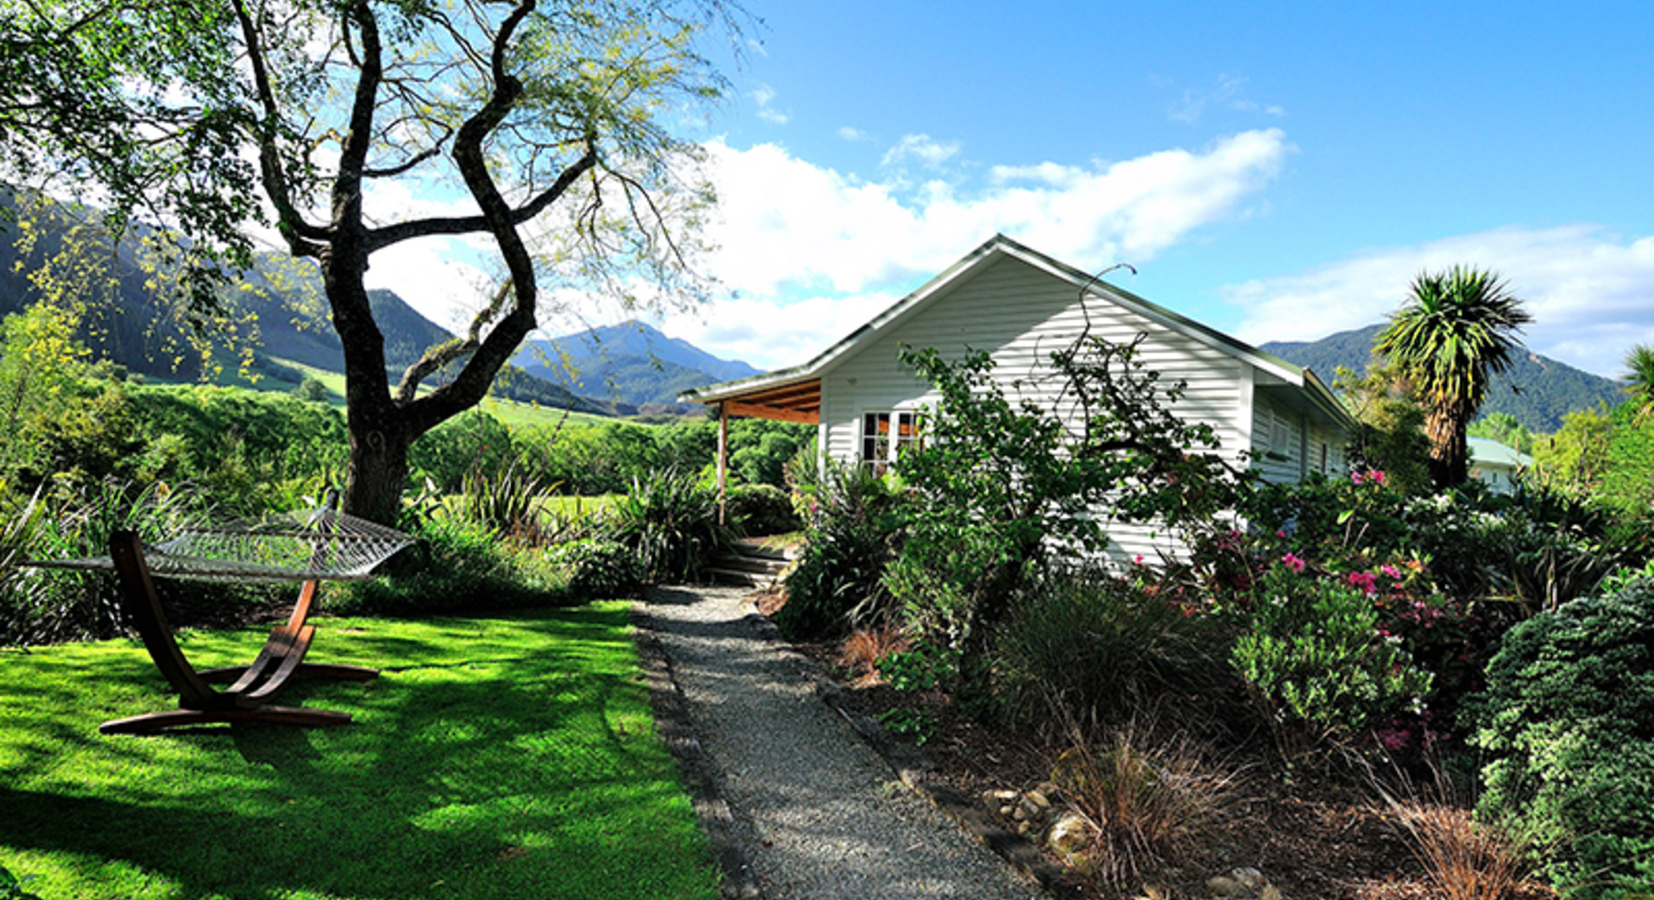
723	456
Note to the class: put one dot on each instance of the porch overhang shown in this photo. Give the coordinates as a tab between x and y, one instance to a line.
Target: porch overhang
798	402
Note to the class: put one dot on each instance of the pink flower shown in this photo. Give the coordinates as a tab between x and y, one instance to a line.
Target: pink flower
1363	580
1391	571
1376	476
1280	532
1294	563
1358	477
1137	560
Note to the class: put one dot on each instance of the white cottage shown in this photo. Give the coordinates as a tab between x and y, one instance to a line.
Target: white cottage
1021	306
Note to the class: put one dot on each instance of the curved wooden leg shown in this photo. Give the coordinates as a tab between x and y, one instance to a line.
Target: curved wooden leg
284	715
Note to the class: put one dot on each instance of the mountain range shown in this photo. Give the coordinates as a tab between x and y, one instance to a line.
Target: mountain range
1537	390
631	363
618	368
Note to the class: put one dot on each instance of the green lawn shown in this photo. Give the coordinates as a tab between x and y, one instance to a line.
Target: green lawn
506	757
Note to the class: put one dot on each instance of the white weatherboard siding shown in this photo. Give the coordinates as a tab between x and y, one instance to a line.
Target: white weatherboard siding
1021	315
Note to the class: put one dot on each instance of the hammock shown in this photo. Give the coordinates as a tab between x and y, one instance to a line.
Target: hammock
304	545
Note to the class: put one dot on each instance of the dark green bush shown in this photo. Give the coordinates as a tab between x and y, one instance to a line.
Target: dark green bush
857	532
597	568
1567	724
760	509
669	522
456	568
1085	648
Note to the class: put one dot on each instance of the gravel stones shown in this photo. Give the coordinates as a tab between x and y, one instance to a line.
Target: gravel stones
812	804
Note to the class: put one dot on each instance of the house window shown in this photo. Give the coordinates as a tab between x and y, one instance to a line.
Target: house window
885	436
1280	434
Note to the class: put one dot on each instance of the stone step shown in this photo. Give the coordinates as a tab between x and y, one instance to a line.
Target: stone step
736	576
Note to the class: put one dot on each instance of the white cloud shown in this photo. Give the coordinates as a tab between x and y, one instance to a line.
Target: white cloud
783	223
931	154
847	133
771	335
1588	290
765	95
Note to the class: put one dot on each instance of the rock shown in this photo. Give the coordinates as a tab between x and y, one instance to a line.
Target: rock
996	799
1224	886
1069	834
1269	892
1020	813
1038	798
1050	790
1249	877
1028	809
1005	811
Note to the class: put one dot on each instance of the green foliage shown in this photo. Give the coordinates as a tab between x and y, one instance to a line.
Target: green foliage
508	503
1567	726
856	532
924	667
1088	650
470	442
762	462
1504	428
1574	459
506	757
998	484
913	723
669	522
311	390
1628	477
597	568
760	510
1316	665
1390	434
458	568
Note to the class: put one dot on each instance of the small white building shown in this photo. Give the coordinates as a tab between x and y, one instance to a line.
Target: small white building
1496	465
1021	306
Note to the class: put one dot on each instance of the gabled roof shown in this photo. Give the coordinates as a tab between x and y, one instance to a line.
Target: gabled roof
1001	246
1490	452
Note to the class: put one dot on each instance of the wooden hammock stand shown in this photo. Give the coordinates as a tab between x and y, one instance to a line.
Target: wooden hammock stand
252	688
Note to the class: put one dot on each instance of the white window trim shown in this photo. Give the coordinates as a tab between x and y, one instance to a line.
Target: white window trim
893	439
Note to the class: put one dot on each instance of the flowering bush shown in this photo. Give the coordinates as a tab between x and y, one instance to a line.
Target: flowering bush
1314	661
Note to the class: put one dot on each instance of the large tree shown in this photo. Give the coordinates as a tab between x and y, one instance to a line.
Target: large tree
548	117
1454	332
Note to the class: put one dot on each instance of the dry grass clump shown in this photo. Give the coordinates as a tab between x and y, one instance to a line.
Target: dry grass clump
1149	800
1464	859
862	651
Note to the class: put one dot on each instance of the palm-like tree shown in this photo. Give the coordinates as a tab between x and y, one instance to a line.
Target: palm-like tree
1639	378
1454	332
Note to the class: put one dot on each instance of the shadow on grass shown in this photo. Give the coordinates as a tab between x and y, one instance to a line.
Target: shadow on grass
518	764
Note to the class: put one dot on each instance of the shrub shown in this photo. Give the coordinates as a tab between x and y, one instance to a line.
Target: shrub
669	522
506	503
856	533
760	509
1315	664
458	568
597	568
1567	724
863	651
1087	648
1148	802
1465	859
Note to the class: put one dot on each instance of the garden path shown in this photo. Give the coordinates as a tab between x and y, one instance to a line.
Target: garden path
818	813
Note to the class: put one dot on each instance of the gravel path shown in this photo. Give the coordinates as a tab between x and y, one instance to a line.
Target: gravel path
819	814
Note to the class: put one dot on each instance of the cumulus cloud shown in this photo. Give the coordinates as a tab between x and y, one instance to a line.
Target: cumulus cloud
1588	290
765	96
847	133
784	222
929	153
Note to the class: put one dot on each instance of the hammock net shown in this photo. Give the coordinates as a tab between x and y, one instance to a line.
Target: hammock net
298	546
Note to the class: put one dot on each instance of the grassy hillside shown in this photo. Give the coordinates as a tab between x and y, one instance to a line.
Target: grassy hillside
1537	390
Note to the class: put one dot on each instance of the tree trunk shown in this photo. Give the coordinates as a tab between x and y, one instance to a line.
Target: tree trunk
378	467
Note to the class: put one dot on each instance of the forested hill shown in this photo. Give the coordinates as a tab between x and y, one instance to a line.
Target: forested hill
280	304
632	363
1537	390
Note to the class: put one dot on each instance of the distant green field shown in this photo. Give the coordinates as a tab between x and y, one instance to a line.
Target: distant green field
513	414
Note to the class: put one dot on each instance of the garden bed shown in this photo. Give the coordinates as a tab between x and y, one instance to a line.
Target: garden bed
1312	839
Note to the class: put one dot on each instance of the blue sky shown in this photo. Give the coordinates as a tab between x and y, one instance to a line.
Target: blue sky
1278	171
